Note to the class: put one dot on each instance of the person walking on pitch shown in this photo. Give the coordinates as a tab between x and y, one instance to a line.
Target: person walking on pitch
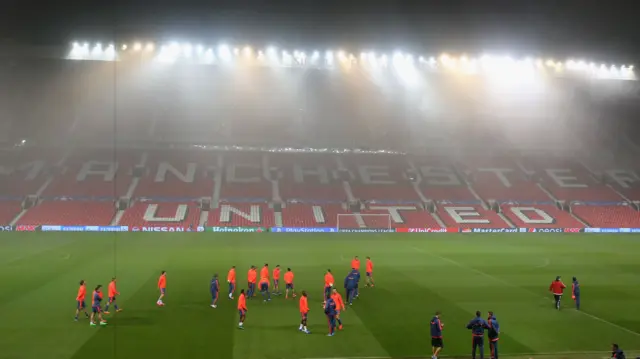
575	292
557	288
215	291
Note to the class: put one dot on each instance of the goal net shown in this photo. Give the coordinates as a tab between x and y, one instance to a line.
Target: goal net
359	220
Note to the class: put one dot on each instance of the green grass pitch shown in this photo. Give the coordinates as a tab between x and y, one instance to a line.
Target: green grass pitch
416	274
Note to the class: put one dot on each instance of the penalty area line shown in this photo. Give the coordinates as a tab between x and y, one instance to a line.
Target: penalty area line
487	275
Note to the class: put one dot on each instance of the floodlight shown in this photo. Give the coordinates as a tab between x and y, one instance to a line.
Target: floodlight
200	49
97	49
137	46
124	47
341	55
236	51
150	46
315	55
75	44
550	62
247	51
224	52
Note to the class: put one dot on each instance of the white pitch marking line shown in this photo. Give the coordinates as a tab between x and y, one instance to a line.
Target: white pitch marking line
545	263
507	355
518	287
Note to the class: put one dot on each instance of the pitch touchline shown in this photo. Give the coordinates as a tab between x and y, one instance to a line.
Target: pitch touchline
507	355
521	288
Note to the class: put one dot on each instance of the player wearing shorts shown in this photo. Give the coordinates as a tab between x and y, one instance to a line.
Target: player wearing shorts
369	273
276	280
304	313
436	335
264	289
162	286
214	287
337	298
113	292
231	279
328	283
96	310
80	303
242	309
288	284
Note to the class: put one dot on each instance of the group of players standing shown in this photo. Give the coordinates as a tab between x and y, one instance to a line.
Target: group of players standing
478	325
332	304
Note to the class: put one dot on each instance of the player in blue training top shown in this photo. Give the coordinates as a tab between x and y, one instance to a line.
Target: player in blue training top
477	326
436	335
575	292
215	291
330	311
350	287
356	274
494	335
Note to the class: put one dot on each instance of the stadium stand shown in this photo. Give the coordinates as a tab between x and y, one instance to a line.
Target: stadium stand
8	211
70	213
158	214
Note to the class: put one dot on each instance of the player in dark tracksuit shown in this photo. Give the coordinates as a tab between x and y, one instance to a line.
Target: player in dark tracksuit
331	312
350	286
477	326
494	335
575	292
616	352
356	274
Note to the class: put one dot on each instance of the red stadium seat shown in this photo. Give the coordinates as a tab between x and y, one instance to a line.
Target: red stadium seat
70	213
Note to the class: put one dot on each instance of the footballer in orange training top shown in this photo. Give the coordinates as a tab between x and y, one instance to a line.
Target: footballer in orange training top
276	280
557	288
264	272
355	263
242	308
231	279
80	303
113	292
339	306
252	277
369	273
288	284
328	283
264	289
162	285
304	313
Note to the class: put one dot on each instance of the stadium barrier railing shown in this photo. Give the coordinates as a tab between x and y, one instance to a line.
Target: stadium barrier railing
56	228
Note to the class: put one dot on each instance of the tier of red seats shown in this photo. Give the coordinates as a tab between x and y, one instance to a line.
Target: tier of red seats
410	217
166	214
8	211
70	213
535	219
579	183
68	184
169	185
258	215
608	216
471	216
302	215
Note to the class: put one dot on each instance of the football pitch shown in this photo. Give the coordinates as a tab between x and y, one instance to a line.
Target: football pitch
415	274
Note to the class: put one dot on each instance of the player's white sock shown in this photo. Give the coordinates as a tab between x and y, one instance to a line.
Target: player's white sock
240	324
304	328
300	327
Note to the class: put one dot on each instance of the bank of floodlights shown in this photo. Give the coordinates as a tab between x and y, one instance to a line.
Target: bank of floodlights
400	62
